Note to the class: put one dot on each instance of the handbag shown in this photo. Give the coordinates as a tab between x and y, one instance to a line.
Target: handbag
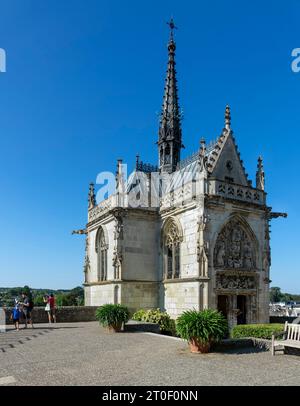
47	308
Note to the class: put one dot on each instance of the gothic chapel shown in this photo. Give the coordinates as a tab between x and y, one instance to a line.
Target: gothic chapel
200	241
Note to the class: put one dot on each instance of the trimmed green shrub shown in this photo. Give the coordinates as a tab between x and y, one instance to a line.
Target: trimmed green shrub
256	330
138	316
112	314
166	324
206	326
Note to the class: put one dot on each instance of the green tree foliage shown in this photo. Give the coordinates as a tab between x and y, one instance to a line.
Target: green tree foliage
74	297
275	294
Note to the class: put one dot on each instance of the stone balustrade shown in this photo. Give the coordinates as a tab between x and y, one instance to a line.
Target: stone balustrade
234	191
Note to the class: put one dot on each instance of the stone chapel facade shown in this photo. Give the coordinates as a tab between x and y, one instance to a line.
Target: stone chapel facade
200	239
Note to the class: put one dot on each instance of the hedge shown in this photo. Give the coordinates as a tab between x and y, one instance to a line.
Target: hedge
256	330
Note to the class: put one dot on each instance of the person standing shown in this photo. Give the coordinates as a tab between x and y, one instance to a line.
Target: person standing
52	307
27	309
16	313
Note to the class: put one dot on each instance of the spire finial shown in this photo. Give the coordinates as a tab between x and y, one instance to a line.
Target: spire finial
173	27
91	196
260	174
202	159
227	117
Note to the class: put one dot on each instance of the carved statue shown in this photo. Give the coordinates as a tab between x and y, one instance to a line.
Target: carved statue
118	232
247	255
236	234
221	254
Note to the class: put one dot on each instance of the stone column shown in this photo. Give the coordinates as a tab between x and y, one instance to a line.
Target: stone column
232	309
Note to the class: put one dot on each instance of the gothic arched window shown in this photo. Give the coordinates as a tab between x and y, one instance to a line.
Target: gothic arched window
101	249
171	250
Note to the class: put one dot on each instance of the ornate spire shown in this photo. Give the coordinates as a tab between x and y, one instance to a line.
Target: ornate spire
170	120
260	175
91	197
227	118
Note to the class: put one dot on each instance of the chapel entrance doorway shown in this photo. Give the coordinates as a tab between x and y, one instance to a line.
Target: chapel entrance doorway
242	309
223	305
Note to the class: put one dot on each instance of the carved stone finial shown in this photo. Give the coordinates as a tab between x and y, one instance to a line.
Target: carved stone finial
260	175
202	155
91	196
227	118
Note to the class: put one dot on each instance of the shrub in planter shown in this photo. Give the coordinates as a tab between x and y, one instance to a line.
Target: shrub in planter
202	328
112	316
166	324
256	330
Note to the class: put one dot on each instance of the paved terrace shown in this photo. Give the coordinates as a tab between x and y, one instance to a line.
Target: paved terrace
84	354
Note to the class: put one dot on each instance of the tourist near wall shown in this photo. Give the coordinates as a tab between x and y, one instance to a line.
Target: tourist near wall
64	314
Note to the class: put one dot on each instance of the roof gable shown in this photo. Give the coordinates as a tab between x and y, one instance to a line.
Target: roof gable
224	163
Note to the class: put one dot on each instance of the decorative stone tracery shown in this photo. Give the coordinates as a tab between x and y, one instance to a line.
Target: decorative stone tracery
234	247
101	250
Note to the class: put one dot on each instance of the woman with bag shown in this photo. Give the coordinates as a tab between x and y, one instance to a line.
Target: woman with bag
50	307
47	307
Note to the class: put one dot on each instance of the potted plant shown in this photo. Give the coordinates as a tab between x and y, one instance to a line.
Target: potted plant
202	328
112	316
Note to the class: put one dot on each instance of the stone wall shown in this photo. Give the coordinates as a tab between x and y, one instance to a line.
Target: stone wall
180	296
139	295
281	319
66	314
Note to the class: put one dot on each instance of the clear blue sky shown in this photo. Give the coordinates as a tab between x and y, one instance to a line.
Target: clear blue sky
83	86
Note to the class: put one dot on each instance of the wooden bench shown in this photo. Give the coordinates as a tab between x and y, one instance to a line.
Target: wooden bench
291	337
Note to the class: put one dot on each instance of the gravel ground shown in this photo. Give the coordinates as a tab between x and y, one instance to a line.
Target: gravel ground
84	354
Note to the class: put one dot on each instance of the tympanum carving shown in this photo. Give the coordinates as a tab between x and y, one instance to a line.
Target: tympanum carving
234	247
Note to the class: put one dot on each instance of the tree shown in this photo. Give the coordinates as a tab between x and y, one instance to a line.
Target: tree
27	291
39	300
276	295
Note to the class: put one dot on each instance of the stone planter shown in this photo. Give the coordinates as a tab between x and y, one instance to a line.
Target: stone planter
115	328
198	347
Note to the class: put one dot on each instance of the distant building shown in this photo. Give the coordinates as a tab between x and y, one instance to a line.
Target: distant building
206	244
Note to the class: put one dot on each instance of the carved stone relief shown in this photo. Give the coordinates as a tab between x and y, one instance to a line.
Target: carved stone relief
235	282
234	248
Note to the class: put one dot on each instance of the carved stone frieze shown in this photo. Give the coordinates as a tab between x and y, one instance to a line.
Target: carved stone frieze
246	282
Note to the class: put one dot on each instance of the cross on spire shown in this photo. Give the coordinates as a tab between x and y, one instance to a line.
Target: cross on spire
173	27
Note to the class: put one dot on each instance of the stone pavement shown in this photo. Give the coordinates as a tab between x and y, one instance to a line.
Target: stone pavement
84	354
